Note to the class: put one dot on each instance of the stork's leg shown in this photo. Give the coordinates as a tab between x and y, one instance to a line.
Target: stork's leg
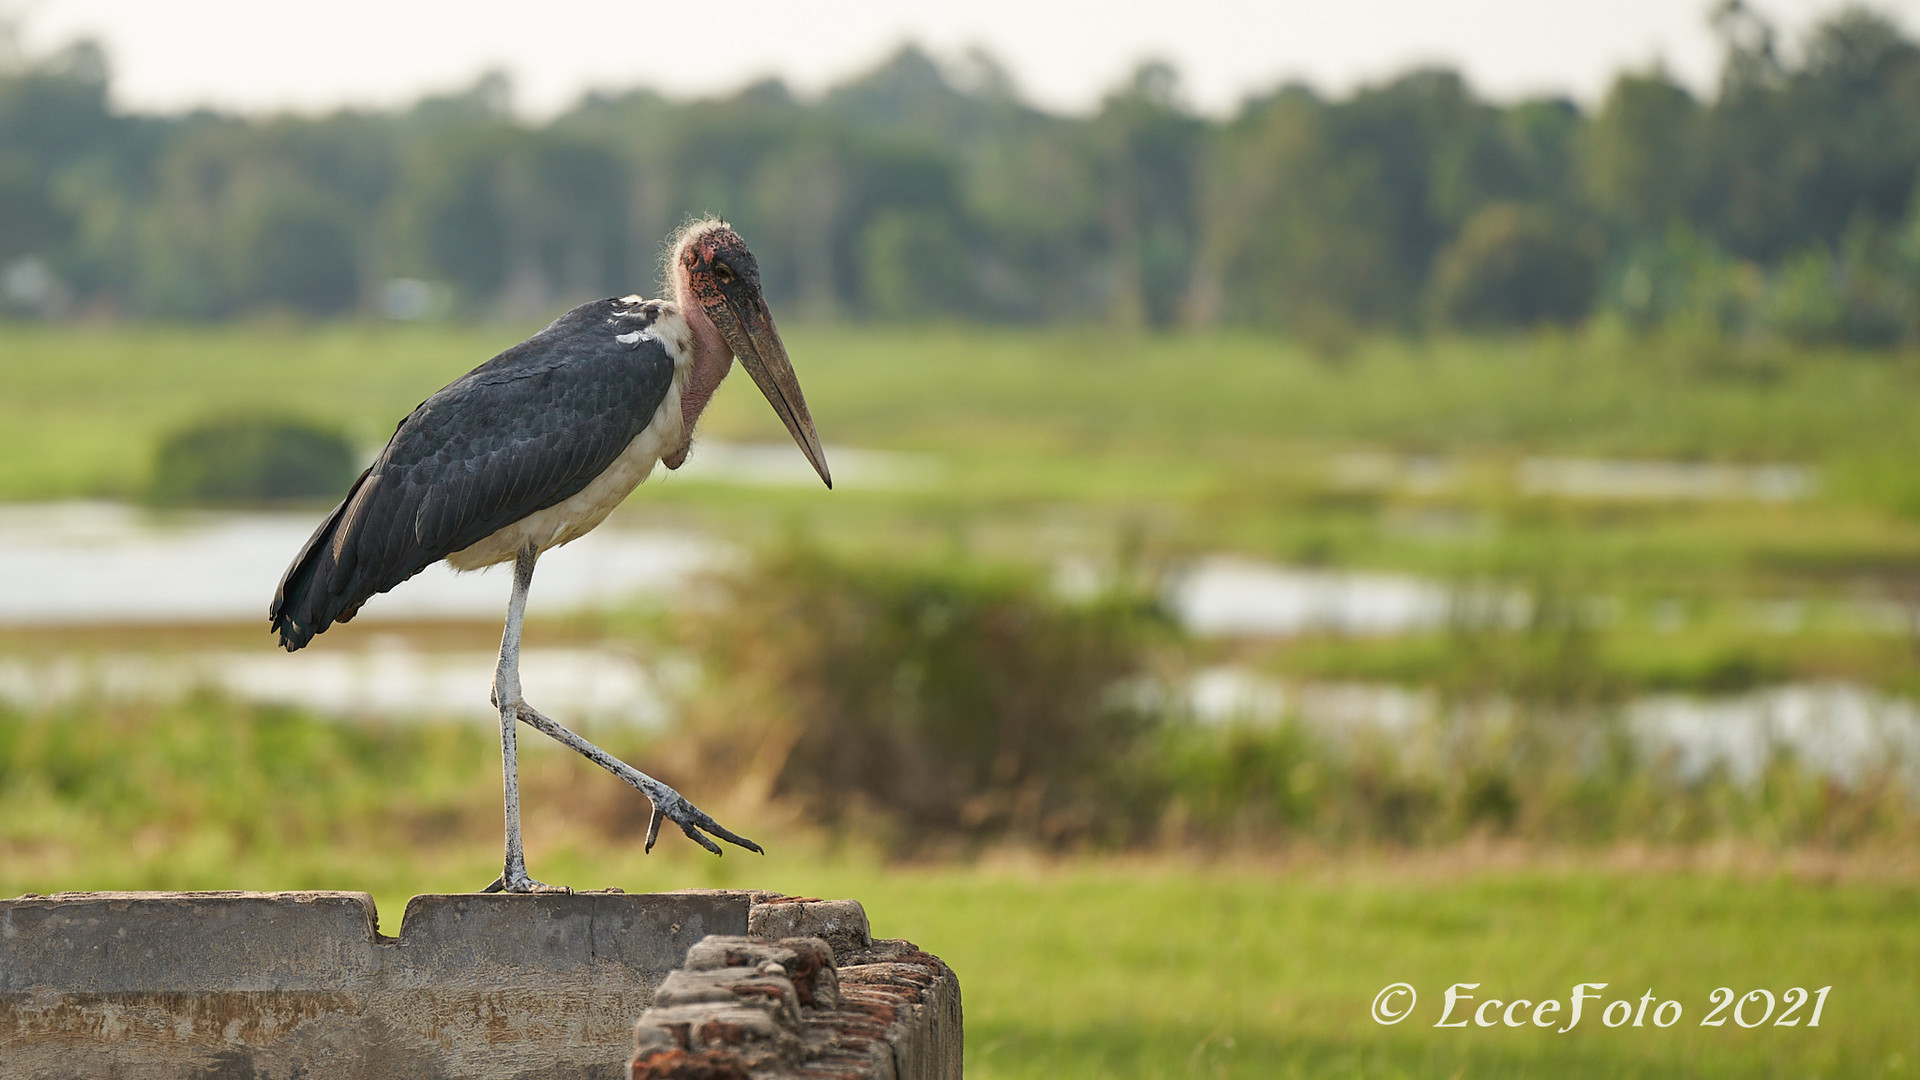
506	696
667	803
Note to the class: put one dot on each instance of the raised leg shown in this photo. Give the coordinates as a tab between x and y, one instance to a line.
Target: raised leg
507	697
667	803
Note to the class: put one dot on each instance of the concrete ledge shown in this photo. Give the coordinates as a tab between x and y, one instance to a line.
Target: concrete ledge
273	986
278	985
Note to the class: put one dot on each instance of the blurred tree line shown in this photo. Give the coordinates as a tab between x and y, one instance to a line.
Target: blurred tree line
925	190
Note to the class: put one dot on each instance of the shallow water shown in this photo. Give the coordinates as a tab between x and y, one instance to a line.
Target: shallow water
386	678
106	563
98	563
1631	479
1612	478
1228	596
1838	730
102	563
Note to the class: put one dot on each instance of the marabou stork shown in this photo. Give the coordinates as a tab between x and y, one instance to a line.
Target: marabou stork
534	448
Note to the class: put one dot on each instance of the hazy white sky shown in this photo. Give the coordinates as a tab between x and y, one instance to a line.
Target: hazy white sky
263	55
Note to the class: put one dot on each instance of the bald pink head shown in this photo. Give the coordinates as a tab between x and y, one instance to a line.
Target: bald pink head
692	274
716	282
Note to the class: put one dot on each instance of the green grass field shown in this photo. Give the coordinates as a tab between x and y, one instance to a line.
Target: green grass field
1164	969
1250	964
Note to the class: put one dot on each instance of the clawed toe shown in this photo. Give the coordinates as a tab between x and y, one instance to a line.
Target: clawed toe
691	819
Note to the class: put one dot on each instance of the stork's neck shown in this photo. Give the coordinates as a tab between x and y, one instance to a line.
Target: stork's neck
709	364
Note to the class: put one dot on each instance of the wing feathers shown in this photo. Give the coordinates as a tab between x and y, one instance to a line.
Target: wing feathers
516	435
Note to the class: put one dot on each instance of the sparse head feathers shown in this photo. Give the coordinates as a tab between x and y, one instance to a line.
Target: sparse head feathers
677	244
695	246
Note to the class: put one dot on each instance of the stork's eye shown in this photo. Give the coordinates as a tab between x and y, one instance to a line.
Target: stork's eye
721	271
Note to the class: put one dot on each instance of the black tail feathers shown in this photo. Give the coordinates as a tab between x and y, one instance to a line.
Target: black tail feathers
311	596
298	609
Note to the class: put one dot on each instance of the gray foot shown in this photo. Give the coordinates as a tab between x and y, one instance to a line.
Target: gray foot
672	806
521	883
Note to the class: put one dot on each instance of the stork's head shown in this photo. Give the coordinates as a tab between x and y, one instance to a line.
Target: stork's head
717	284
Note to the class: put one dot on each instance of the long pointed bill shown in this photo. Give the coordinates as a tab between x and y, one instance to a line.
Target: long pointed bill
757	345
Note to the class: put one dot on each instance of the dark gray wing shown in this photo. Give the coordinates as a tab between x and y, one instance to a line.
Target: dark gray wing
521	432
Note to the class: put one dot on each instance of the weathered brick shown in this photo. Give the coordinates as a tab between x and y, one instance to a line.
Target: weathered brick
895	1017
807	961
840	923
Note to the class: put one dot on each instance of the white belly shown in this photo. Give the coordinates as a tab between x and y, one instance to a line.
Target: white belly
576	516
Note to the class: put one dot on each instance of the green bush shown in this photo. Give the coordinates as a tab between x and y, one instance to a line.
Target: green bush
927	698
251	460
